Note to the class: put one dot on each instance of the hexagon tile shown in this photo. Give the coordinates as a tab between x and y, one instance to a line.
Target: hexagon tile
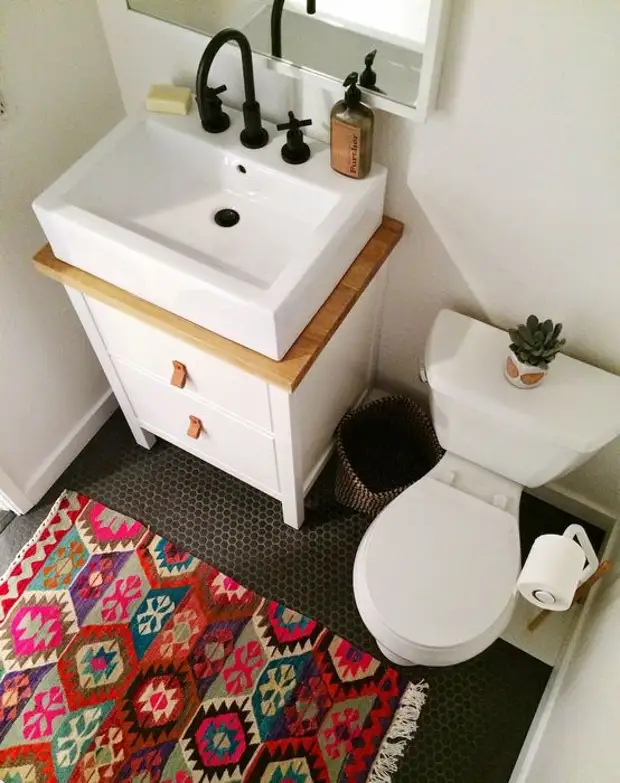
477	713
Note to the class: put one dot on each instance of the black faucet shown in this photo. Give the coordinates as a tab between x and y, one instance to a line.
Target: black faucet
212	117
276	24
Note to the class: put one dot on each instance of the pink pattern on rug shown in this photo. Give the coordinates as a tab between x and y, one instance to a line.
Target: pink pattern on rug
225	586
352	661
112	527
36	628
39	721
344	730
126	592
288	625
229	728
246	661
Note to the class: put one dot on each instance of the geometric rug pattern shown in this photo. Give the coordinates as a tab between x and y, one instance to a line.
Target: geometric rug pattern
125	658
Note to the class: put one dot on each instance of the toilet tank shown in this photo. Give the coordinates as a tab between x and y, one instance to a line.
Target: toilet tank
528	435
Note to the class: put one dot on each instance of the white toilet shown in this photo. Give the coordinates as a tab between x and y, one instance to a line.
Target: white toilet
435	574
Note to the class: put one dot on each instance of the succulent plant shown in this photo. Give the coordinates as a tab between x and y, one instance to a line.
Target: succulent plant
536	342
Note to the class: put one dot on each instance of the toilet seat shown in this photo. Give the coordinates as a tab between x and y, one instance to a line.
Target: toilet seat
435	573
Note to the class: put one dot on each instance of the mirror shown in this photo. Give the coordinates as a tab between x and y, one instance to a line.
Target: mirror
398	39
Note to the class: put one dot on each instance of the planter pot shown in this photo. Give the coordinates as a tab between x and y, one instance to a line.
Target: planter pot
523	376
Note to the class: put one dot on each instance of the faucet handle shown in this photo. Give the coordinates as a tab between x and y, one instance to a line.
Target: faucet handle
214	119
293	123
295	150
212	91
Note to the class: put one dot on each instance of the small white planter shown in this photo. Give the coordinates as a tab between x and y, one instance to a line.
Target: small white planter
523	376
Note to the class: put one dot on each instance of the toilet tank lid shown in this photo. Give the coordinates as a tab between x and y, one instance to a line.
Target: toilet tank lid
577	405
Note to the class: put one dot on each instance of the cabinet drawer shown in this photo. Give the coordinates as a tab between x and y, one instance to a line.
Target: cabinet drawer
148	348
223	440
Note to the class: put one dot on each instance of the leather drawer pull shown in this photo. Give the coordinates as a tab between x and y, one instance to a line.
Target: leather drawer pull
195	427
179	375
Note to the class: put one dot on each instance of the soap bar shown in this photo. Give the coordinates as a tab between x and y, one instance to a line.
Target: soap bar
168	99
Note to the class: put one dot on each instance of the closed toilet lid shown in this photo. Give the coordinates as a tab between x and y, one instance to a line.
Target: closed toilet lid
441	565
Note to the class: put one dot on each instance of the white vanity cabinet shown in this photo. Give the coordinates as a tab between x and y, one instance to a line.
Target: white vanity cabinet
270	424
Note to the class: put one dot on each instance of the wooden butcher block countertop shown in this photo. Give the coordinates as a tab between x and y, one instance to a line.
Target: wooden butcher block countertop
287	373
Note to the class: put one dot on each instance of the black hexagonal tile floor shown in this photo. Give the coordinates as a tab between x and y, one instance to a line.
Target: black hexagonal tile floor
477	713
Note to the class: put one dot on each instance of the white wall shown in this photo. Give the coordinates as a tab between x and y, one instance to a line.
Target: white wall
580	737
515	185
61	96
510	192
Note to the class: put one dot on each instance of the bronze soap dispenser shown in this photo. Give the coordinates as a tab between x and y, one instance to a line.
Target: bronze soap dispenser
352	130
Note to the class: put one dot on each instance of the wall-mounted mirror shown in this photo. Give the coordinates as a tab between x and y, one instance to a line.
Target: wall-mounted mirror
399	40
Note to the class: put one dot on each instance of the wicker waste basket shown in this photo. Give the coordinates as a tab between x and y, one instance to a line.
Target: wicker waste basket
383	448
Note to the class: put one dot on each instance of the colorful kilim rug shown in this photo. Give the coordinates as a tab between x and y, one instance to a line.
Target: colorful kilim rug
124	658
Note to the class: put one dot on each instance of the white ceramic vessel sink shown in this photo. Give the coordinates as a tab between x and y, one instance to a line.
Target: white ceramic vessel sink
139	211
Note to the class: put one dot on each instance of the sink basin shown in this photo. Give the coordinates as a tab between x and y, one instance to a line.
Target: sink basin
232	239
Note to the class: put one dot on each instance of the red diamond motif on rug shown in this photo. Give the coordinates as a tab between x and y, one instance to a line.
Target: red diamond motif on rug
97	665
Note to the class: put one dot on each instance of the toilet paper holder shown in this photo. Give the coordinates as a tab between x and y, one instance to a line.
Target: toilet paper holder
592	572
576	531
556	568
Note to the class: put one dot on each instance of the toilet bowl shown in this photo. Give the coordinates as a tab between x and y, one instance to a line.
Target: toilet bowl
434	574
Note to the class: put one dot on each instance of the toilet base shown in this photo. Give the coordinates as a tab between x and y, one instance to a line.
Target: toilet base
393	657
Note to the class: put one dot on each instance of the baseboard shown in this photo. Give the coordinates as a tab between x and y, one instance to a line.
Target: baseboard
577	505
536	734
60	459
13	498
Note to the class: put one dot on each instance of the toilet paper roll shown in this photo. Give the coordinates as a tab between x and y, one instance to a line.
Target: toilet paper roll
552	572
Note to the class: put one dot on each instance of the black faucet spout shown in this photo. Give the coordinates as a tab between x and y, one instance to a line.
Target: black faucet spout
254	135
276	24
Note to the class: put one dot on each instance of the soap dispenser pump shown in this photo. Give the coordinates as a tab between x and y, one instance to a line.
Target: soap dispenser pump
352	130
368	77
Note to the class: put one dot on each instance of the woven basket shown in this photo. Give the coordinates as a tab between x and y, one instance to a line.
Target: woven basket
383	448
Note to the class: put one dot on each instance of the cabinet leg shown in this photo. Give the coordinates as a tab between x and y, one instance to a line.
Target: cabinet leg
288	450
80	304
143	438
293	509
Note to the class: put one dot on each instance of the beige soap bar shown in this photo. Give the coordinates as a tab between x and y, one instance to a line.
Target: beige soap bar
168	99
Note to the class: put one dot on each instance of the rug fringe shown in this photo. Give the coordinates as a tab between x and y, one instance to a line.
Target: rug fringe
36	536
401	732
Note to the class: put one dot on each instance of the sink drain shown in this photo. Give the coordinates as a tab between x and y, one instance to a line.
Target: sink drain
227	217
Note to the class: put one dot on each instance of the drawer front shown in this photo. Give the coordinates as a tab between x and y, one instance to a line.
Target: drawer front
222	440
149	348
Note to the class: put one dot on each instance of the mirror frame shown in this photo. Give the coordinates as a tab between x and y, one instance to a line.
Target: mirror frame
429	75
428	84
